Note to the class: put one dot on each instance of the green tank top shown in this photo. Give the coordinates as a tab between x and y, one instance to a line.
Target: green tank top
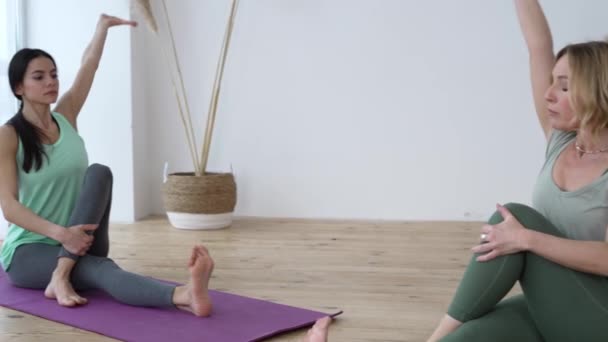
52	191
581	214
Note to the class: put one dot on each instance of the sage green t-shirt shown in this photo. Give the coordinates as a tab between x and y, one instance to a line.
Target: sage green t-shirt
52	191
581	214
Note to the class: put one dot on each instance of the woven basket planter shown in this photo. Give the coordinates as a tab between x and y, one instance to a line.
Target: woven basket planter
205	202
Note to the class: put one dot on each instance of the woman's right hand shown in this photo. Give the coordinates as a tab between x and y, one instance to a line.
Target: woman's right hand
107	21
79	238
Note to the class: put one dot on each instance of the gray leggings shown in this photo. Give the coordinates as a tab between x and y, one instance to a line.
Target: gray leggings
33	264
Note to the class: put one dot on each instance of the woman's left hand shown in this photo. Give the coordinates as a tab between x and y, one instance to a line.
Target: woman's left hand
506	237
107	21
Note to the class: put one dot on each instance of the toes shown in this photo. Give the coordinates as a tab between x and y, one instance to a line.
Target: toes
202	250
204	253
67	302
323	322
206	261
75	299
192	257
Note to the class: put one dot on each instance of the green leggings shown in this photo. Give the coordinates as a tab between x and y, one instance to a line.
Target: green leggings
558	304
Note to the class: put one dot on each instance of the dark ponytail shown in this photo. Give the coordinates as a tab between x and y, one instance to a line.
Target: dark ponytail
33	152
30	135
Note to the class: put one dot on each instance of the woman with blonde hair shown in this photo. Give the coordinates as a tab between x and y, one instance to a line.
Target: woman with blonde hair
558	250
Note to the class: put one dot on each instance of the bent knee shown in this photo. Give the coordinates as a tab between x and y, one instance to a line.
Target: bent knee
516	207
101	173
531	218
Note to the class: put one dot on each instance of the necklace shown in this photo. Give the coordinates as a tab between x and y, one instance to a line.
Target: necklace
583	151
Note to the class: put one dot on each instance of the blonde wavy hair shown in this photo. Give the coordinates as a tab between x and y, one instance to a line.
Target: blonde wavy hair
588	83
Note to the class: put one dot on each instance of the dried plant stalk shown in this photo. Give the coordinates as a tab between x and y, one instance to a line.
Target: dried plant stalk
188	117
217	87
144	7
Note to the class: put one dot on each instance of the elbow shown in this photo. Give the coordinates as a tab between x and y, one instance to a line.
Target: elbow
7	211
7	216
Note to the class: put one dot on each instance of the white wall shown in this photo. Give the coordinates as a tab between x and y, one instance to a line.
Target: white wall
330	108
358	108
64	28
140	83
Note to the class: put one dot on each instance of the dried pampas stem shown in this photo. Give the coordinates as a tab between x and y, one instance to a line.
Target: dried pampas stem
145	8
181	81
216	87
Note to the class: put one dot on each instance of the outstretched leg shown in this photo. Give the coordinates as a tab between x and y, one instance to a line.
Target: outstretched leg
33	265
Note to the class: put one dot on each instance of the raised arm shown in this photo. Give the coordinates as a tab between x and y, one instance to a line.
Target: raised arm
72	101
74	240
538	39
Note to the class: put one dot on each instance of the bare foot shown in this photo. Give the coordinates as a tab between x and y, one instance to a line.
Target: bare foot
318	332
194	296
61	290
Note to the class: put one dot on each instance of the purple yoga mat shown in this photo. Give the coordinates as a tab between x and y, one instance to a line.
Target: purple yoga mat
235	318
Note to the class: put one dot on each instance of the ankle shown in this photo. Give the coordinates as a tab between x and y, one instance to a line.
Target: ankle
61	275
446	326
64	268
180	295
62	272
450	322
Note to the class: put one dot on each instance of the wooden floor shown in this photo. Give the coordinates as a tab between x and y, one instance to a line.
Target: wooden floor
393	280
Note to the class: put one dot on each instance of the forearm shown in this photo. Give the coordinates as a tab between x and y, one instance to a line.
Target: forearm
18	214
583	256
92	54
534	25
